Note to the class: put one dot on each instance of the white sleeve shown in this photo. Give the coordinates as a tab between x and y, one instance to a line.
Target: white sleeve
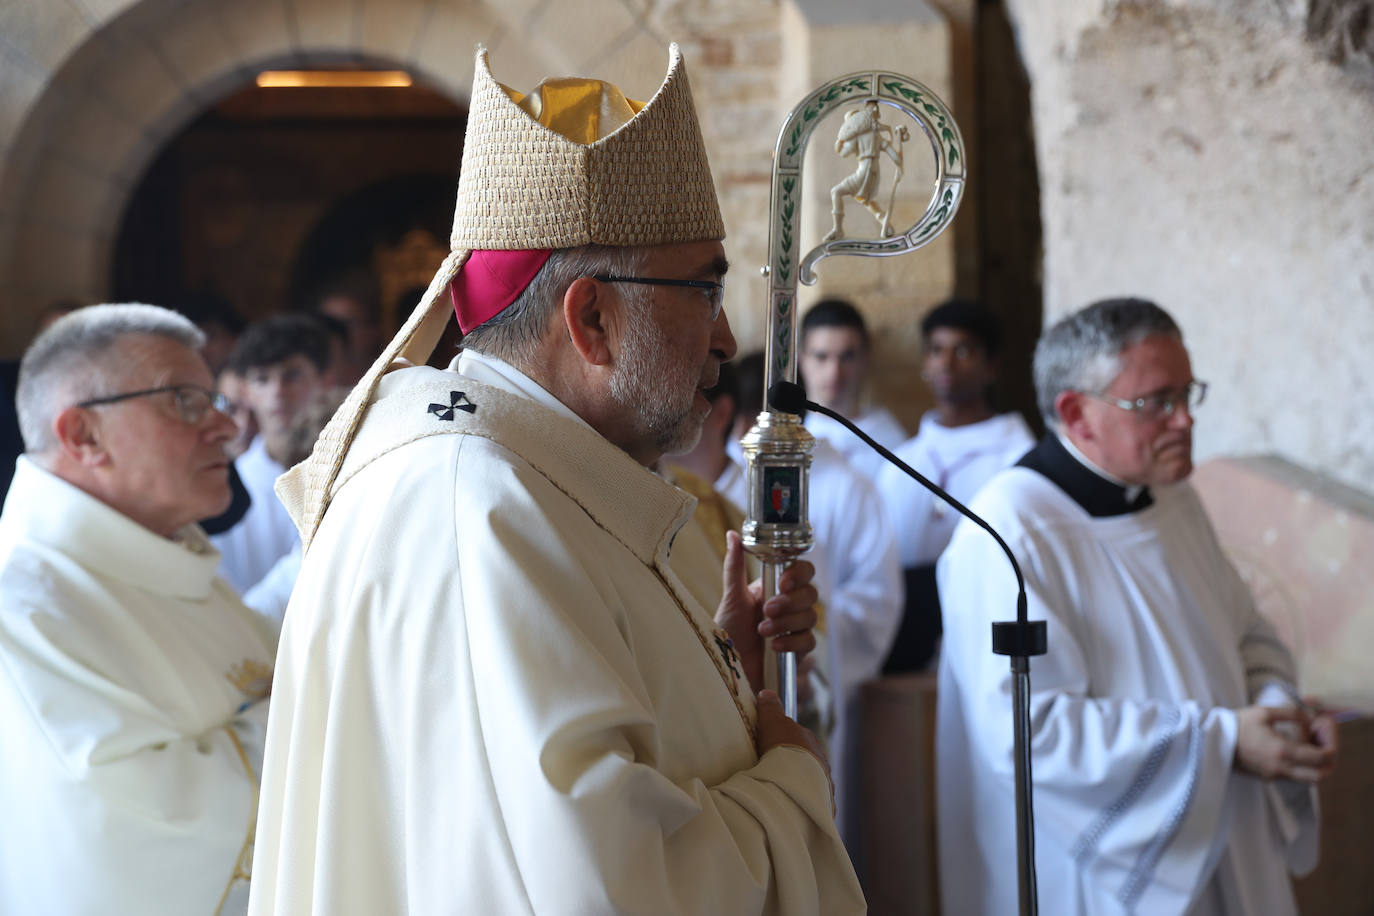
1130	789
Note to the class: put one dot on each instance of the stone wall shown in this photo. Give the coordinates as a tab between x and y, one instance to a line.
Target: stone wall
1217	156
91	91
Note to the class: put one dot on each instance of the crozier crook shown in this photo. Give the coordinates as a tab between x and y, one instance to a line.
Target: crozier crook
778	448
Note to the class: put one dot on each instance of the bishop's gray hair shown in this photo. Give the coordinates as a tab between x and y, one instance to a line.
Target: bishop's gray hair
1083	351
514	334
78	358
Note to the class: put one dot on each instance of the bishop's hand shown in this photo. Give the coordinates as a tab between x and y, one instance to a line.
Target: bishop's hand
788	616
775	729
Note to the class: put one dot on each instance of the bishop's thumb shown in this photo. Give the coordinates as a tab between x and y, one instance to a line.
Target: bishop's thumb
733	575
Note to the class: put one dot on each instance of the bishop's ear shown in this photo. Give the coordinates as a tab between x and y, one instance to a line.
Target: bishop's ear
591	319
79	436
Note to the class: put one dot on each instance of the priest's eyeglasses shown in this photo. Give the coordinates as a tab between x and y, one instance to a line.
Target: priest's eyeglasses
192	401
715	291
1161	405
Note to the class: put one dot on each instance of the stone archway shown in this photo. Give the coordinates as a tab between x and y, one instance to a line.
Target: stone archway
91	90
92	97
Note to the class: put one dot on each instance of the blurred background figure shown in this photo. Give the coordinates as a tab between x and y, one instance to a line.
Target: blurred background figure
857	575
133	683
833	359
218	320
353	299
271	594
234	386
284	361
235	390
340	350
961	443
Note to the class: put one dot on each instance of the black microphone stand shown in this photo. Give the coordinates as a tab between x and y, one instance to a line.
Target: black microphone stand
1019	639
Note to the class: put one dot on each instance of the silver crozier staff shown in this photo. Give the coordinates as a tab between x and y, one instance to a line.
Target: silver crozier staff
778	448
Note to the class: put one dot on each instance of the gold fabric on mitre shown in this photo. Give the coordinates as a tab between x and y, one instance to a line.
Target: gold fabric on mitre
573	163
583	110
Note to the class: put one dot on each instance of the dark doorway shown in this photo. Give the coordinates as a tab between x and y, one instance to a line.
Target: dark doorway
271	192
1009	199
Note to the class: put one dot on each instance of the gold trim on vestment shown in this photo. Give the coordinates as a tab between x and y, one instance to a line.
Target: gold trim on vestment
243	865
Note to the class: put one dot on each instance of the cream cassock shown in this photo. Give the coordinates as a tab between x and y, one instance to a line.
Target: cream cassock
494	696
130	708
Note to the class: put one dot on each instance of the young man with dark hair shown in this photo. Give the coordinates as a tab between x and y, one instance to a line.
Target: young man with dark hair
283	361
961	443
834	364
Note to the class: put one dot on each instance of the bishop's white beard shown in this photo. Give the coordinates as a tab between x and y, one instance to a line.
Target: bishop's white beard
657	390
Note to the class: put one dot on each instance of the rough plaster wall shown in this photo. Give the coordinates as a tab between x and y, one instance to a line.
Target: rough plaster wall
734	49
1217	158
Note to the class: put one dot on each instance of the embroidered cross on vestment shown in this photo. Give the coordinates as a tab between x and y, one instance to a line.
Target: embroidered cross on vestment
457	401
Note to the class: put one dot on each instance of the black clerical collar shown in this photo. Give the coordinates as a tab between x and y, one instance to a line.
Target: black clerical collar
1099	497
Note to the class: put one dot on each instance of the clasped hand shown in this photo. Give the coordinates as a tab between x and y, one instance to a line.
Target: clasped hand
1278	742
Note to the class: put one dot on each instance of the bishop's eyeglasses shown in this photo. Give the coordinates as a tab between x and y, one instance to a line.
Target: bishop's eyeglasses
715	291
192	401
1160	405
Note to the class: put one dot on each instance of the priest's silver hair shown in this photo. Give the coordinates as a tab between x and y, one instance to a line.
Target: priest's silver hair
514	334
1083	351
78	357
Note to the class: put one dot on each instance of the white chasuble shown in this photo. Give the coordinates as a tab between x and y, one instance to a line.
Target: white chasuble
131	713
494	696
1153	642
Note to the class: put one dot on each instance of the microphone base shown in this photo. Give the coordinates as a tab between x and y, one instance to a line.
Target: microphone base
1023	639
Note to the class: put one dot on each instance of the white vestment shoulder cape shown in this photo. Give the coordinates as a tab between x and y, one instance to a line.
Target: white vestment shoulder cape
131	717
1154	640
494	696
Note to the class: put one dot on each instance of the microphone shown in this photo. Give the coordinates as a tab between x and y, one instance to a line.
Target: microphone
1019	639
789	397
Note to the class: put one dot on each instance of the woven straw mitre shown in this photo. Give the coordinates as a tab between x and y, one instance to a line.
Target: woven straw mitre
524	186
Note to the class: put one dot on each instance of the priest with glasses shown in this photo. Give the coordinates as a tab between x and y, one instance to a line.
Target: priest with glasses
133	682
1173	757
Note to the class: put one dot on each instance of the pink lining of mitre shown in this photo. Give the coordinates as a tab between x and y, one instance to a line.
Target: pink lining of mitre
492	280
